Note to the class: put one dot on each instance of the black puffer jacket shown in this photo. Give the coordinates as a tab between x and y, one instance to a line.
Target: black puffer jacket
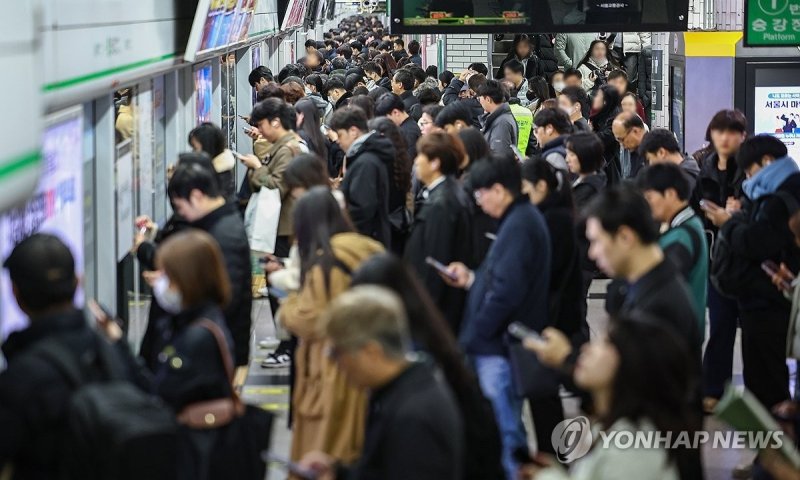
543	46
366	186
226	226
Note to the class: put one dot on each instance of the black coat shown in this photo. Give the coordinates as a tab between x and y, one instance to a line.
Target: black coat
544	48
34	394
716	185
191	367
411	133
662	295
226	226
366	187
442	229
532	66
413	107
450	95
601	123
565	272
414	431
386	83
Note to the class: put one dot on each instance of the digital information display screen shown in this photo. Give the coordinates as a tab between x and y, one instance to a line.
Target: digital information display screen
56	207
521	16
777	112
217	24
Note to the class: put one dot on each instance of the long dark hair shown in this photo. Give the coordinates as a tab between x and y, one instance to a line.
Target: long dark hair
559	192
310	126
210	137
387	63
317	217
610	108
401	167
649	350
538	88
428	327
609	57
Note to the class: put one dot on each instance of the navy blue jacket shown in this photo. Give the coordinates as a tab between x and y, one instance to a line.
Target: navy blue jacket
511	284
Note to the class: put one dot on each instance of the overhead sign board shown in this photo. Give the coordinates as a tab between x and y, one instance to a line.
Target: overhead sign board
772	23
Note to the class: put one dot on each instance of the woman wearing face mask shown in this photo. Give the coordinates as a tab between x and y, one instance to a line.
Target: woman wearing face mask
618	369
596	64
557	83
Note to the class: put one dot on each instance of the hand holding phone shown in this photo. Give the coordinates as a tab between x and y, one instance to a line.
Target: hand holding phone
105	321
523	333
780	276
441	268
293	468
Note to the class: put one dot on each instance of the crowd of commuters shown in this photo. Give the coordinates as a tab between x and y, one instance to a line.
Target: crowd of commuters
421	215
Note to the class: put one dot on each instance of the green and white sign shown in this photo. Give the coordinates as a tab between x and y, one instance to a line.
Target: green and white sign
772	23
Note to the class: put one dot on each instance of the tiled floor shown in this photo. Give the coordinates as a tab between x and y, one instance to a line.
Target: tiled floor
269	388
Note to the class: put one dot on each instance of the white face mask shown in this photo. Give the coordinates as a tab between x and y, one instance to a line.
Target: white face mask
170	300
558	86
568	111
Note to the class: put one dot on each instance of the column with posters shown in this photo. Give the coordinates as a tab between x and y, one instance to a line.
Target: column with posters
777	112
124	183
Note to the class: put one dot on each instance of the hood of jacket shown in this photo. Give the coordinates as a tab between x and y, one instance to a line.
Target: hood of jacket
353	248
224	161
373	143
769	178
429	82
319	102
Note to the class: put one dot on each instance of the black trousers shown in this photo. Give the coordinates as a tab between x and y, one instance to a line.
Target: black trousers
546	413
723	319
764	354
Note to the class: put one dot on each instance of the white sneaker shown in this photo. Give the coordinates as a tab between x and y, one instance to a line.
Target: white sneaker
269	342
276	361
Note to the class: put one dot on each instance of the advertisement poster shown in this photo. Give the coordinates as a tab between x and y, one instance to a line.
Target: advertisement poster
124	183
777	112
227	22
203	90
56	207
144	106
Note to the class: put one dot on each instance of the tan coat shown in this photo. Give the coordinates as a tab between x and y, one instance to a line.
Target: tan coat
329	413
270	175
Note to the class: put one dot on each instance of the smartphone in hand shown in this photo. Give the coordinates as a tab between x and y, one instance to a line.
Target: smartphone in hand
521	332
771	268
440	267
293	468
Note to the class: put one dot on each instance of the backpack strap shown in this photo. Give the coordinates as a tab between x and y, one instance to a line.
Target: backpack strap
694	238
224	351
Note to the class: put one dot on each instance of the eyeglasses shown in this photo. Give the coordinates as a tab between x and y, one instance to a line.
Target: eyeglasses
423	123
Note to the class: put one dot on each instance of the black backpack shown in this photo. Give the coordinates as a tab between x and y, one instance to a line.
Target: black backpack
115	431
731	274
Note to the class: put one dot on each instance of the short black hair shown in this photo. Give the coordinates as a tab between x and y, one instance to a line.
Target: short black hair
754	149
290	70
428	96
42	269
492	89
446	77
433	110
615	74
663	176
399	41
356	45
418	72
360	91
347	117
515	66
502	169
623	205
572	72
372	67
388	102
453	112
479	67
315	80
210	137
345	51
432	71
272	90
385	46
311	43
335	82
657	139
554	117
339	63
405	78
727	120
259	73
193	176
271	109
577	95
413	47
475	82
589	150
352	80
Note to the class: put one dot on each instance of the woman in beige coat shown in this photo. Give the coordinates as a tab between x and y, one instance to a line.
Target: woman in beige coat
329	414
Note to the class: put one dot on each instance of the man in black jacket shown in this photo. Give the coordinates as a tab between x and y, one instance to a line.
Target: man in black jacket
366	181
455	93
392	107
34	394
442	223
196	197
414	429
403	86
761	233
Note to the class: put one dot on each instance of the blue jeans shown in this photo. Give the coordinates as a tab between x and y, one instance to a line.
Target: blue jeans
494	376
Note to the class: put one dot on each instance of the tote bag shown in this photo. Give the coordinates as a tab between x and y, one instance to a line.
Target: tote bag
261	219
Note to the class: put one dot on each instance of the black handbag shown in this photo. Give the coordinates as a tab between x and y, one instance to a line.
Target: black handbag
224	438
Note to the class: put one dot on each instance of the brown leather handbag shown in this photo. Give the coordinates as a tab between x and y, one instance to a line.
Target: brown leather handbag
219	412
